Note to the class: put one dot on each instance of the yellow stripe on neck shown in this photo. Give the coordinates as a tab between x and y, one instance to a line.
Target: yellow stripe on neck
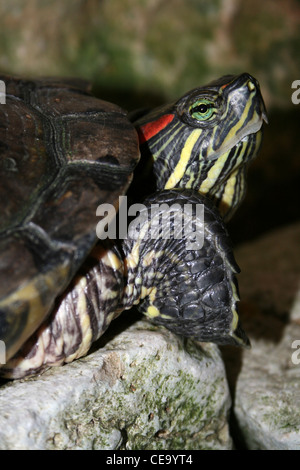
184	159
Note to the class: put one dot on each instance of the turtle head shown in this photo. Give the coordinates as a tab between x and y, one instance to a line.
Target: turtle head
205	140
181	269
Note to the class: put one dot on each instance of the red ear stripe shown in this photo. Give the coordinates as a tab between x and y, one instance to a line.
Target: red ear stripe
152	128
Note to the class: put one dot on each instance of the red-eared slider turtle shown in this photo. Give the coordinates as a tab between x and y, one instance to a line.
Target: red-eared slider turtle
63	154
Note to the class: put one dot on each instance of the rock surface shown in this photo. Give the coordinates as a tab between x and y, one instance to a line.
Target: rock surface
146	389
266	381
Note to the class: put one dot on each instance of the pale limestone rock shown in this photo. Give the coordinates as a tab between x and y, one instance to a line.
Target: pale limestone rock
146	389
267	388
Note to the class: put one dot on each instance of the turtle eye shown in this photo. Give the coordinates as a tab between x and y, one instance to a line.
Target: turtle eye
202	109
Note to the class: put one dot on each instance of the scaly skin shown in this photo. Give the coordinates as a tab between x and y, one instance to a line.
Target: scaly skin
207	152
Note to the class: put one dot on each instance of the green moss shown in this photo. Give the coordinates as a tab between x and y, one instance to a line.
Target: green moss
172	408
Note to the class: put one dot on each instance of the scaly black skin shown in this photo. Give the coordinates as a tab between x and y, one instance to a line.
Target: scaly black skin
193	292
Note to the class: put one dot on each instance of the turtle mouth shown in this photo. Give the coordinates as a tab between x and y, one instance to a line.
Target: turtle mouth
256	126
250	137
252	130
245	137
248	146
264	116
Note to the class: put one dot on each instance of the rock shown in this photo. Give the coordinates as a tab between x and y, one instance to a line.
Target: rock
267	377
145	389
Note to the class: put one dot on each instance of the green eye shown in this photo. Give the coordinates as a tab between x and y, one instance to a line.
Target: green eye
202	110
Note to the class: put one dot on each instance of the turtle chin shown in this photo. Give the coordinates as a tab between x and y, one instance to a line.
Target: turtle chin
230	190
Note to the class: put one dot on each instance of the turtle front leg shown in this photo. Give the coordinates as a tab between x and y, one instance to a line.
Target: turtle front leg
181	268
82	315
179	280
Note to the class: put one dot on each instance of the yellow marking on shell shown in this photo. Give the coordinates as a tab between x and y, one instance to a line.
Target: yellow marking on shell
184	159
27	292
38	304
30	295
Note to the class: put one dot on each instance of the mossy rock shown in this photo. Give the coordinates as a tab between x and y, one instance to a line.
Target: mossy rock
145	389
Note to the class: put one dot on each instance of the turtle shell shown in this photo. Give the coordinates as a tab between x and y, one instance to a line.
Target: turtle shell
62	153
